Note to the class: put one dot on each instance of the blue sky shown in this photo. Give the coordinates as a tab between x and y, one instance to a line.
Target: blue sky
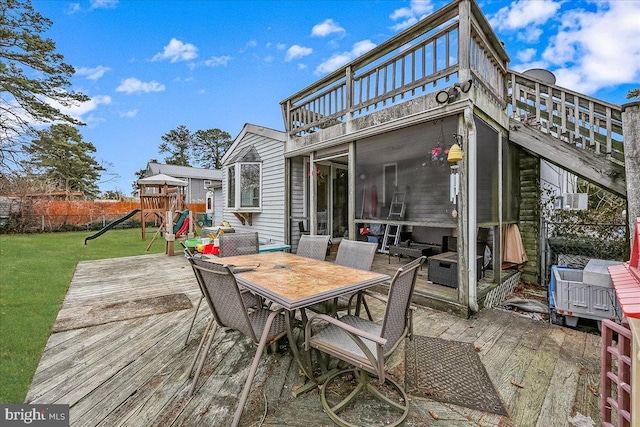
150	66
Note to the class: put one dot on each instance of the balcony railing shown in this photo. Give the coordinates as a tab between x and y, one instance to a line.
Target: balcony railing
455	42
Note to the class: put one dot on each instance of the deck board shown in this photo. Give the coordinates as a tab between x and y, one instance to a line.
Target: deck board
134	372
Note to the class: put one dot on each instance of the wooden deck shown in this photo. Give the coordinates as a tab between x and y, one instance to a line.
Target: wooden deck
130	369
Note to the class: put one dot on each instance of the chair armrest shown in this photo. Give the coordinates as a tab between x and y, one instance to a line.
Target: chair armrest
384	298
337	322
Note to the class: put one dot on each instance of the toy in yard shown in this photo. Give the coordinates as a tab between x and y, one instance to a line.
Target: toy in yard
179	225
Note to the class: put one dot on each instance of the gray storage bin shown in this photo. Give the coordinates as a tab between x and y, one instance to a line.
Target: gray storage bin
576	298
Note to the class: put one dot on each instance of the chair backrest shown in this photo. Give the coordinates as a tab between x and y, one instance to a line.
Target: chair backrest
314	247
356	254
396	317
232	244
221	291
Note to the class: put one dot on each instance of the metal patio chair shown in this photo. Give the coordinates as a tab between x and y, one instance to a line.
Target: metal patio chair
314	247
354	254
250	300
232	244
367	345
223	295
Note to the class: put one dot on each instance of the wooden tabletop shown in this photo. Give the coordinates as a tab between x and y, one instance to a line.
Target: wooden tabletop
294	281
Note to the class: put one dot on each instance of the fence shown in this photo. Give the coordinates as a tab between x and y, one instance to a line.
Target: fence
573	244
75	215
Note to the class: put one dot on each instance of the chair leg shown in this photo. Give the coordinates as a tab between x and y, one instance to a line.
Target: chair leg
193	320
199	349
203	357
254	367
364	382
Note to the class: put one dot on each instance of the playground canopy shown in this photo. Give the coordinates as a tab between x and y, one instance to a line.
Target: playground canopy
162	179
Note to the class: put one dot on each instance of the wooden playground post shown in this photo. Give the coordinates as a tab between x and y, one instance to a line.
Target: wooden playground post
168	234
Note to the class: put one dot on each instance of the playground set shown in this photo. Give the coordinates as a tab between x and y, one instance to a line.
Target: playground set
162	197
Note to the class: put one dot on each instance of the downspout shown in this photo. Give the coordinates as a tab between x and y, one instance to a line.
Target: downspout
472	182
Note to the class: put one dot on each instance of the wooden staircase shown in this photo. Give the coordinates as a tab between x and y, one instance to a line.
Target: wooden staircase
573	131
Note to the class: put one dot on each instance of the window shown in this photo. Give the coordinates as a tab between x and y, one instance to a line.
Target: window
207	183
244	183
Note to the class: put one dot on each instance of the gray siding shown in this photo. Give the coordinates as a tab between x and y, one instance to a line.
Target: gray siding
269	223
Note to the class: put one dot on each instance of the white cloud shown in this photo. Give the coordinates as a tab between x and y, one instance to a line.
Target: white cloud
92	73
77	110
408	16
133	85
530	34
339	59
268	58
327	27
177	51
297	51
73	8
129	114
217	61
597	49
524	13
281	46
526	55
302	66
104	4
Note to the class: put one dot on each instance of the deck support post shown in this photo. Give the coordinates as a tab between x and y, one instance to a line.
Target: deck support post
631	130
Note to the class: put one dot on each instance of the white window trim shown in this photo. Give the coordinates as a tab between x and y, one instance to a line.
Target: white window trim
238	191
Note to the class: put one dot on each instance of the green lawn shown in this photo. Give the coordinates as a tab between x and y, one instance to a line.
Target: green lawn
35	272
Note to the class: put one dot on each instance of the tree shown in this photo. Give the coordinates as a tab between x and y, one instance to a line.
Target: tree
209	146
139	175
178	143
112	195
633	93
62	156
33	79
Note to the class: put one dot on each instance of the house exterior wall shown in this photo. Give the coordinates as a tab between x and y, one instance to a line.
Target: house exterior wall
270	221
530	215
195	190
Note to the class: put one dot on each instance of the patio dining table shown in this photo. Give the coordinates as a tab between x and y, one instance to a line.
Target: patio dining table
295	282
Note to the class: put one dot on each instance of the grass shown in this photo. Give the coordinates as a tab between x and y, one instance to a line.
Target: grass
35	272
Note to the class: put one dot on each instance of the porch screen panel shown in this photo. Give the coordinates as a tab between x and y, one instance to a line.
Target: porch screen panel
511	181
488	173
404	159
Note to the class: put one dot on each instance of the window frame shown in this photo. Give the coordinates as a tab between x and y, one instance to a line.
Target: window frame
238	166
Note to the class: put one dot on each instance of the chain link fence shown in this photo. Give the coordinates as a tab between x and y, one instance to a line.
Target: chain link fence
573	244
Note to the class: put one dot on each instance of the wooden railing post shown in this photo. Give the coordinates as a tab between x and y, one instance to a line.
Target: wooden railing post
631	130
464	41
349	95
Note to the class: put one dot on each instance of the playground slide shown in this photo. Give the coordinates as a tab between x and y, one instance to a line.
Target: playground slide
184	228
111	225
181	220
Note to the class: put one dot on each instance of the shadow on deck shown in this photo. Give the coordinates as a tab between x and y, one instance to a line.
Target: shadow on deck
133	371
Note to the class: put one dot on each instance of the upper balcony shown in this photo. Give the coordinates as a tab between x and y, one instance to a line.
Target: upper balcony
454	44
